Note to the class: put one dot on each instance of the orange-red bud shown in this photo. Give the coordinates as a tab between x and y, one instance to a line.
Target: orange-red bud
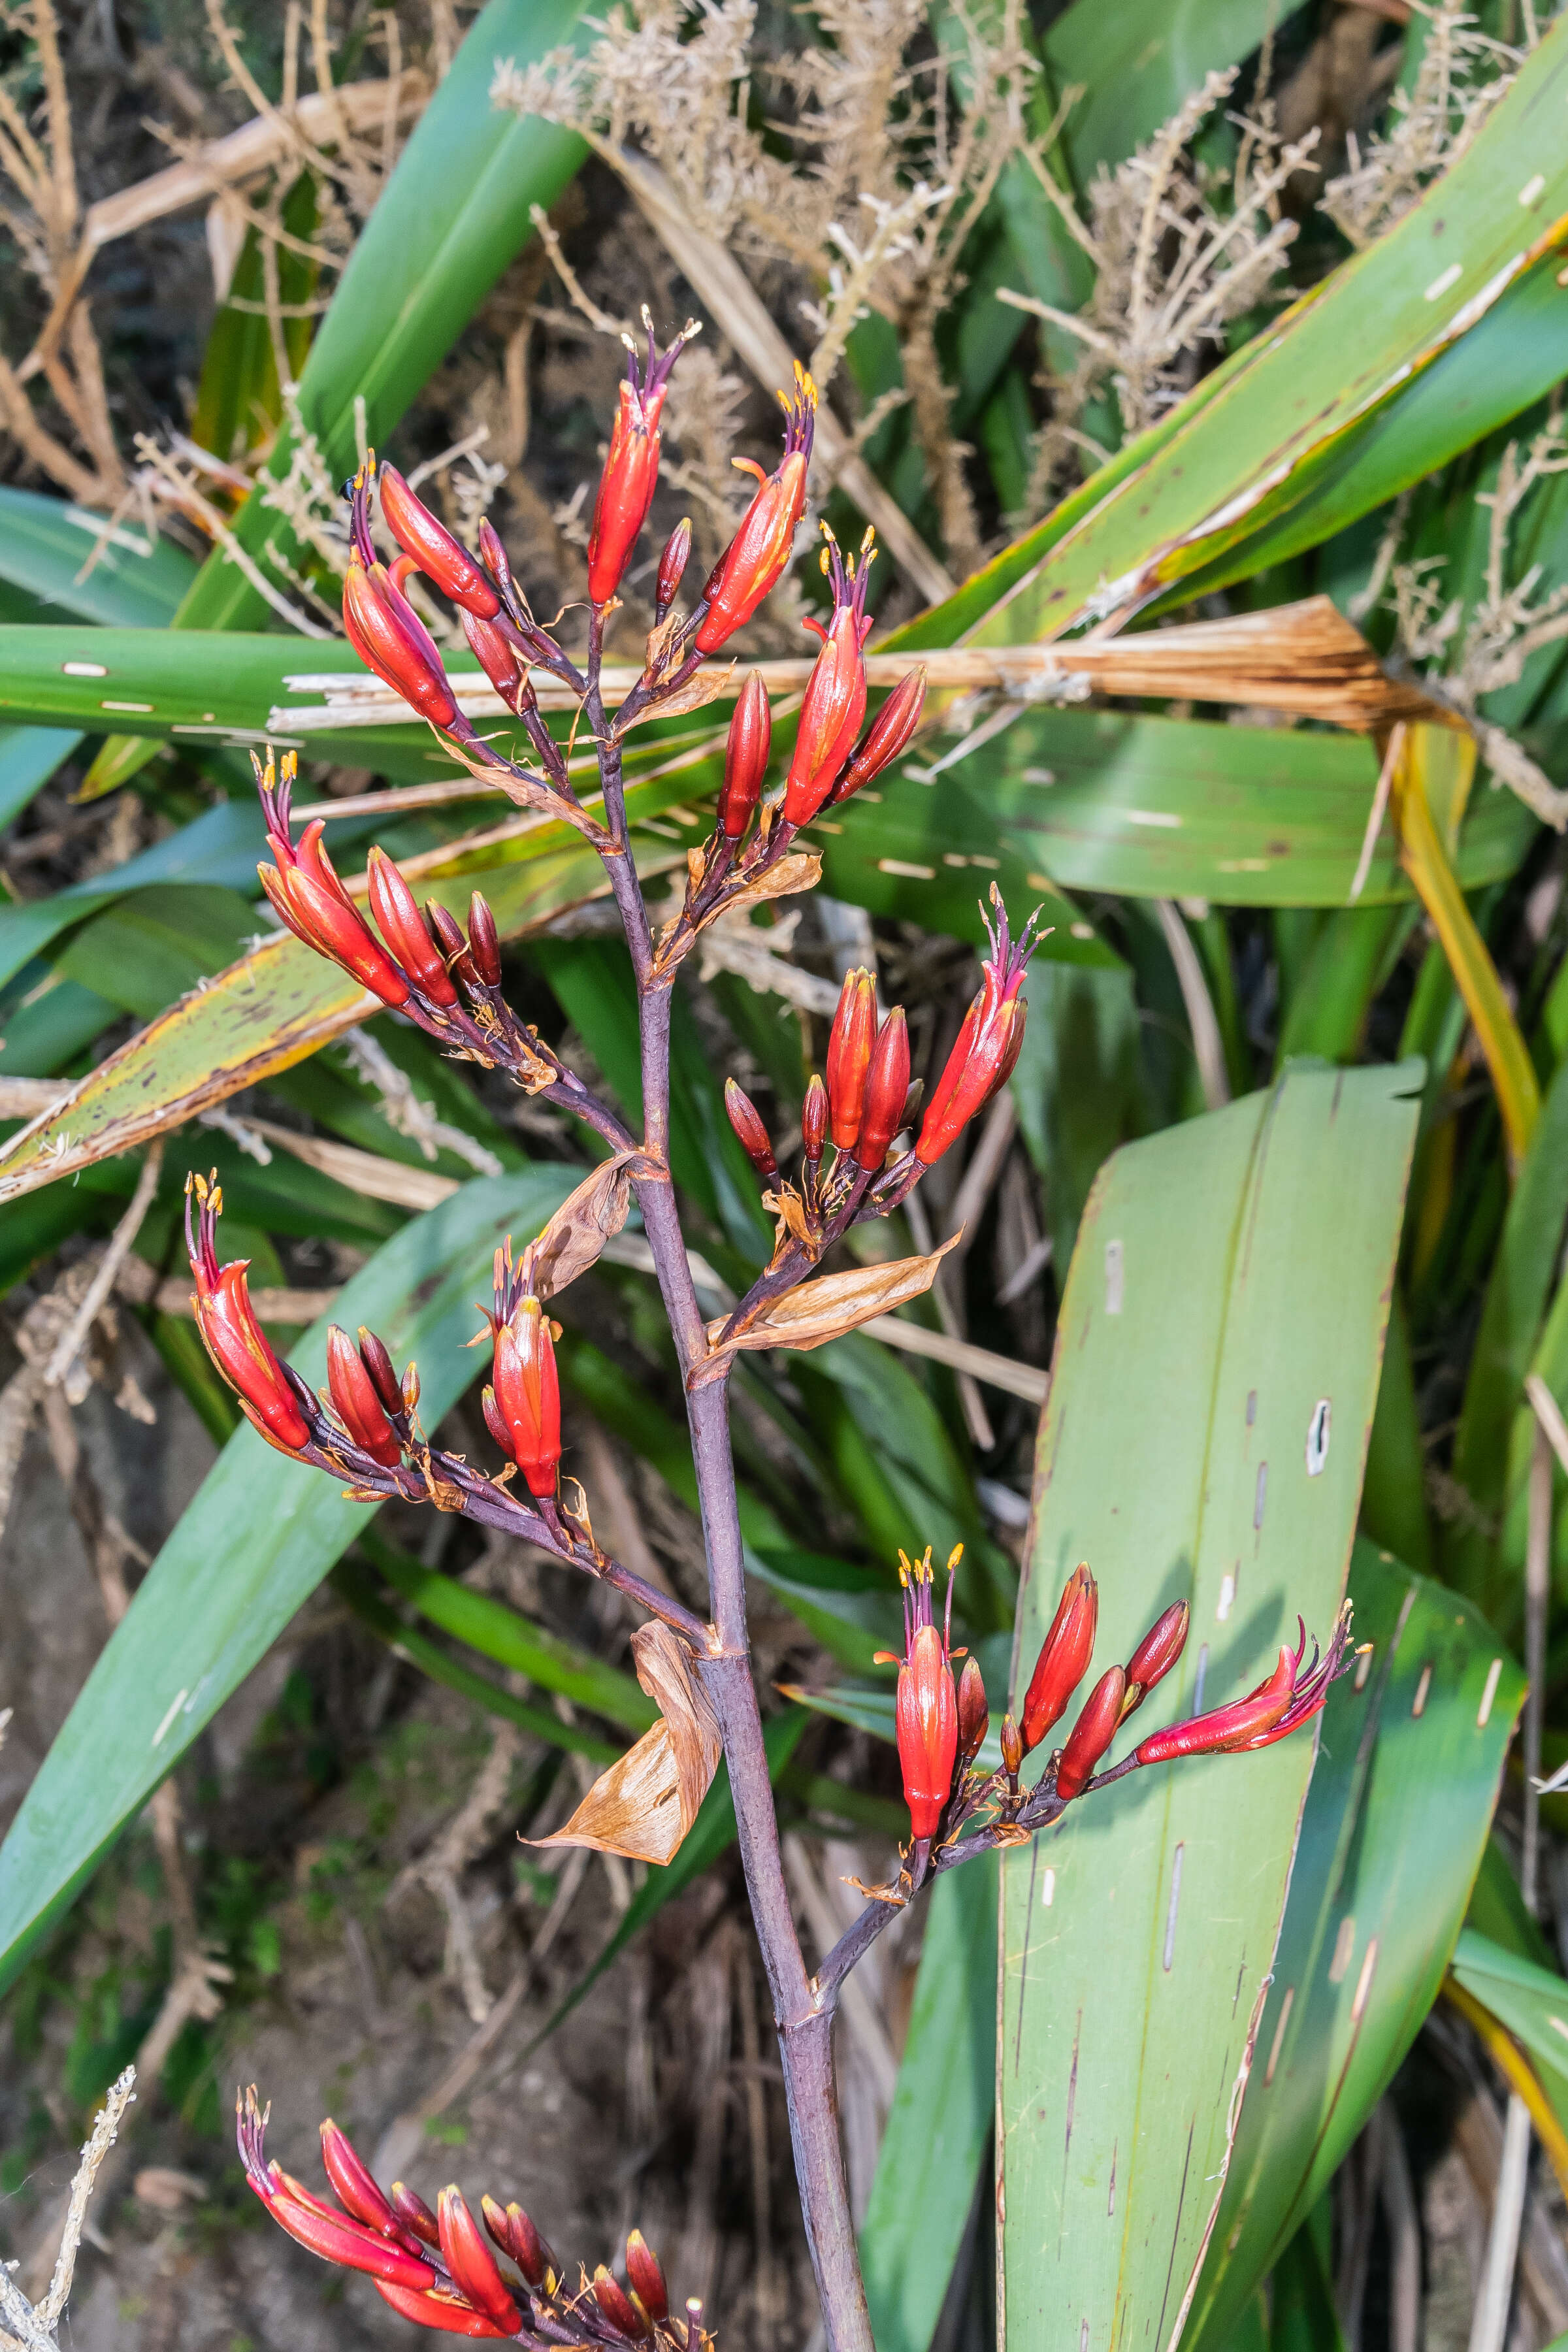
756	558
616	2305
356	2190
1011	1746
813	1118
415	2214
439	2307
524	1410
888	735
646	2273
439	556
926	1709
1092	1734
850	1056
974	1714
1156	1654
671	564
744	1117
406	932
500	662
473	2266
887	1091
631	468
357	1405
746	757
1064	1657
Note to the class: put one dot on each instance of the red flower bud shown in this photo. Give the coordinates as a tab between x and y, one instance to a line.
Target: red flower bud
647	2276
1011	1746
671	564
887	1091
813	1118
748	1126
358	1407
484	941
888	735
835	700
390	639
616	2305
756	558
233	1338
515	2234
415	2214
1156	1654
746	757
1064	1657
356	2188
500	662
926	1709
439	556
989	1043
473	2266
526	1399
405	930
453	942
1092	1734
974	1714
631	468
850	1056
439	2307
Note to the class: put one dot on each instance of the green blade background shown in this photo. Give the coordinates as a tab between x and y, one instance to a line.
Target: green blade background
1229	1275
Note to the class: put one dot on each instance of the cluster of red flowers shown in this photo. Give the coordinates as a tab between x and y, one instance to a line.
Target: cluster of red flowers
436	2268
940	1726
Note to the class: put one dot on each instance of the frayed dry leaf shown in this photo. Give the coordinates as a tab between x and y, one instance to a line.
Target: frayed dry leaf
825	1309
801	871
584	1222
654	660
644	1805
703	687
785	1204
1304	657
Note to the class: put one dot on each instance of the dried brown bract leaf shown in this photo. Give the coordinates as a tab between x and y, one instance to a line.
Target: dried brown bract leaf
703	687
825	1309
644	1805
584	1222
800	871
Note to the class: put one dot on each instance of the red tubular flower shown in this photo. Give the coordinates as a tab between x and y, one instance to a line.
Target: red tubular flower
756	558
1156	1654
926	1710
384	628
336	2237
441	558
473	2266
304	888
631	468
359	2193
234	1339
522	1411
888	735
358	1407
887	1091
989	1043
1092	1734
850	1056
1064	1657
439	2307
974	1714
406	932
646	2273
1281	1702
744	1117
835	700
746	757
671	564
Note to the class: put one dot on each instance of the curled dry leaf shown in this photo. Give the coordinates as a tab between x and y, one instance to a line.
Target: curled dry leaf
800	871
644	1805
584	1222
825	1309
